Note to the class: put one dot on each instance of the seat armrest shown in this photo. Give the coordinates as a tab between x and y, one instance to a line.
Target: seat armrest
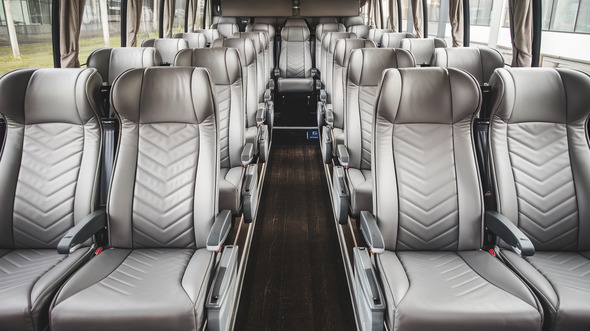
342	154
267	93
371	232
277	72
219	231
329	116
222	293
247	154
88	227
250	193
323	96
369	297
510	233
261	114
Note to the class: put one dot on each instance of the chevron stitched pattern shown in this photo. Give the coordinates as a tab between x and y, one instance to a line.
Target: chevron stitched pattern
20	269
443	273
428	217
44	198
223	96
564	270
164	189
547	206
295	60
141	271
367	96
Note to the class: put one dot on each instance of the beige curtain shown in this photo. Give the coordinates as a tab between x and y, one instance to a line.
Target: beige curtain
418	17
70	16
192	15
375	17
169	8
208	14
392	19
521	29
133	21
456	19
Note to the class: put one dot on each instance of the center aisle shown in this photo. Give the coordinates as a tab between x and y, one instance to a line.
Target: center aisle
295	277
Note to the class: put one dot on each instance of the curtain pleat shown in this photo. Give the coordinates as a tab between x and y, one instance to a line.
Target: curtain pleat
70	16
521	30
418	17
169	7
133	21
456	19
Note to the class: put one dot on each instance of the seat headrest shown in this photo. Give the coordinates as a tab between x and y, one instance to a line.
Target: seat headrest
123	58
210	34
353	20
258	27
344	48
480	62
330	38
245	47
295	33
143	95
227	29
259	38
296	22
223	63
393	39
226	19
34	96
424	95
540	95
194	39
323	28
366	65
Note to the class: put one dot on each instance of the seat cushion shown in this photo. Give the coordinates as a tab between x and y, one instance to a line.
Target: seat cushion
29	279
290	85
469	290
141	289
562	283
360	183
230	189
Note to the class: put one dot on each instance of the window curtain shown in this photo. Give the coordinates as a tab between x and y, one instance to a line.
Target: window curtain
169	7
70	17
456	19
418	17
133	21
375	17
392	19
208	14
521	30
192	15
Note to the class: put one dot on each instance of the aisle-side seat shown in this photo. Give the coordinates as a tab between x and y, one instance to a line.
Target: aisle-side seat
356	25
320	30
394	39
270	32
226	71
377	34
301	22
422	48
49	177
210	35
260	40
226	30
194	39
167	47
294	71
328	45
427	228
365	69
163	223
541	158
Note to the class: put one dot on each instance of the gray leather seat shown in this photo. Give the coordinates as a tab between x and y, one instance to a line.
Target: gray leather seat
194	39
480	62
328	46
394	39
422	48
541	158
429	210
294	72
342	53
365	69
260	40
226	72
210	35
167	47
356	25
162	205
226	30
376	35
270	32
320	30
301	22
111	62
49	177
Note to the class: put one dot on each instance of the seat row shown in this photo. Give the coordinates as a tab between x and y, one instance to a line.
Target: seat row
428	269
160	263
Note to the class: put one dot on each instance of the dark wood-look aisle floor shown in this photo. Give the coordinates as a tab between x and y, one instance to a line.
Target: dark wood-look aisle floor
295	277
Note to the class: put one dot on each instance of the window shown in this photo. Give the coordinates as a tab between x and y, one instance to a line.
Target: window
433	10
583	20
101	27
480	12
32	24
564	15
148	26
